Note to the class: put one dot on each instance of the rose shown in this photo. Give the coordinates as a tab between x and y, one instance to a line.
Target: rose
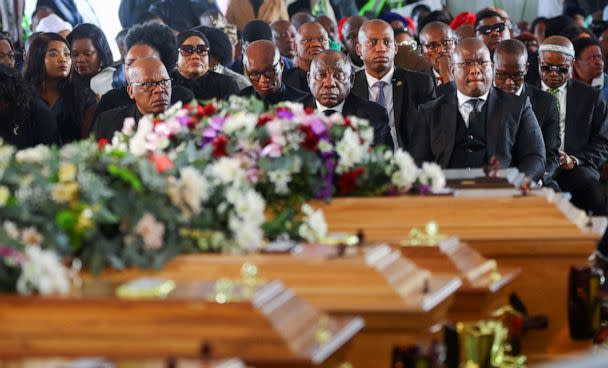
348	181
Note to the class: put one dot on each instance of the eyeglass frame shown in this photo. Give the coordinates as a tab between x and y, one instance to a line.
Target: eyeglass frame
486	30
150	86
560	69
195	50
266	72
437	45
470	63
515	77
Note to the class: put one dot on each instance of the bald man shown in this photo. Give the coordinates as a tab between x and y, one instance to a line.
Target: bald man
350	34
583	125
311	39
264	68
437	43
466	128
149	87
399	91
331	80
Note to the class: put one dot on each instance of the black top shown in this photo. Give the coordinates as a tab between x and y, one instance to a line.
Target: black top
119	97
40	127
113	120
285	93
296	78
69	127
210	85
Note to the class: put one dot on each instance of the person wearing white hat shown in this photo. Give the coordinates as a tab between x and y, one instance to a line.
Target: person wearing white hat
53	23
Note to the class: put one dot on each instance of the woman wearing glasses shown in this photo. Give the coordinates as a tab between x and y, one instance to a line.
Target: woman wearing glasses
193	72
48	68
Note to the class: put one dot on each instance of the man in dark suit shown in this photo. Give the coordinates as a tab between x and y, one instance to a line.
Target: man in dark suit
311	39
399	91
264	67
510	68
149	87
583	126
466	128
437	43
330	81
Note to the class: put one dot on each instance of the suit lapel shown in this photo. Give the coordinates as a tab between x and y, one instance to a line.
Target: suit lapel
571	113
398	91
361	88
444	130
493	121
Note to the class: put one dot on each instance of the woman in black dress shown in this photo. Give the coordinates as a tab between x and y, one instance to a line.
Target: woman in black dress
25	120
48	69
193	71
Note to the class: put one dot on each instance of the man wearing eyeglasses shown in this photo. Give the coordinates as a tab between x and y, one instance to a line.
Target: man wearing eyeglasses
437	43
331	79
311	39
491	28
399	91
510	68
583	125
149	86
468	127
264	67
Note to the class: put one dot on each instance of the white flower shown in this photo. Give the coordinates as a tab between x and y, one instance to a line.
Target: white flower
227	170
246	218
31	236
190	191
44	273
314	227
5	194
407	172
295	107
35	155
350	151
6	152
325	146
151	231
11	230
138	143
64	192
280	179
236	122
432	175
128	127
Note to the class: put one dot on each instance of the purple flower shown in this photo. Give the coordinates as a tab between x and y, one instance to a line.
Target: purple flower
213	129
328	179
285	114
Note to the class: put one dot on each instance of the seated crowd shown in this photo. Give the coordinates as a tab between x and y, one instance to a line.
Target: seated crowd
457	91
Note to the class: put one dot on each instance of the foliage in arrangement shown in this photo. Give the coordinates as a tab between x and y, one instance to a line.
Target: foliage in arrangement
197	179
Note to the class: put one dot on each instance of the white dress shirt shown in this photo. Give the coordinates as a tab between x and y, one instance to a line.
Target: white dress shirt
356	67
465	108
437	77
388	99
561	98
321	108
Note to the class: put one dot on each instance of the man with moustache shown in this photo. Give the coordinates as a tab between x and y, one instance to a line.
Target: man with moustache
399	91
510	68
284	36
264	67
437	43
311	39
331	79
149	86
350	34
468	127
583	126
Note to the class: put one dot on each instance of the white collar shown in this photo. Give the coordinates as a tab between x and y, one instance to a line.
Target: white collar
339	107
520	90
437	75
598	81
462	98
388	78
545	87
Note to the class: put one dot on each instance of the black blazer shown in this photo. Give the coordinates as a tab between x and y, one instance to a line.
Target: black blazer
285	93
442	89
112	121
370	111
545	108
410	90
513	135
40	127
297	79
210	85
586	135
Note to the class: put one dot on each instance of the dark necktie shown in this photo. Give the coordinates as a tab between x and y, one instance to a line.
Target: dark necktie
474	115
329	112
380	98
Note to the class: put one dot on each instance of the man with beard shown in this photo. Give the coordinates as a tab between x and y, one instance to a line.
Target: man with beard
477	122
331	79
264	67
311	39
399	91
149	86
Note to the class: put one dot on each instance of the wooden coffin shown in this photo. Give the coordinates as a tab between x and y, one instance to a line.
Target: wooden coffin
122	363
541	233
266	326
400	303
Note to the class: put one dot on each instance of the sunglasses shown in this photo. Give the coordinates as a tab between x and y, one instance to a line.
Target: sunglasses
546	68
486	30
188	50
